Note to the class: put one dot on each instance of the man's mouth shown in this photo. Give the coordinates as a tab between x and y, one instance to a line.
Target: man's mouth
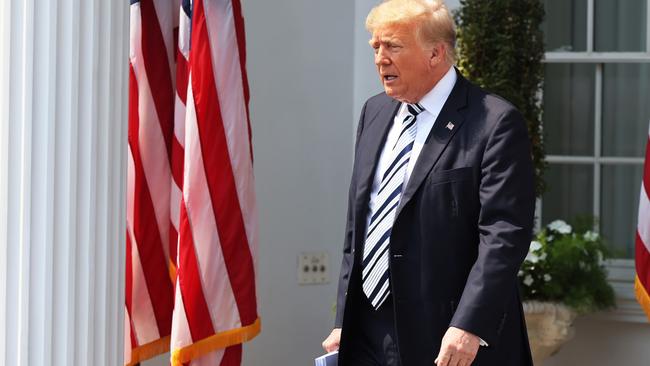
389	77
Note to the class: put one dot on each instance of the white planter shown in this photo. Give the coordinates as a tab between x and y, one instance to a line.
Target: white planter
550	325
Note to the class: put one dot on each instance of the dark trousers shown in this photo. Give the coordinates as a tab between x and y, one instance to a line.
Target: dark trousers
372	337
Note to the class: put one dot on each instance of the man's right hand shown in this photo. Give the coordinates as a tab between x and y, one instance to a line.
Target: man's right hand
331	343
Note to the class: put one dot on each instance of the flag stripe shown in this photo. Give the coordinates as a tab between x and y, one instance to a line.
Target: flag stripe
146	323
181	76
196	310
167	17
642	240
241	48
179	125
211	359
177	162
643	229
129	340
158	73
185	25
175	209
646	172
217	164
128	284
232	356
180	327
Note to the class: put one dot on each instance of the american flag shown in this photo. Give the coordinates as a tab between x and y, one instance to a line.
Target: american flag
642	255
211	215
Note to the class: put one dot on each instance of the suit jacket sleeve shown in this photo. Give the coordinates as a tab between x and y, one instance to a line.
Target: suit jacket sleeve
507	199
348	254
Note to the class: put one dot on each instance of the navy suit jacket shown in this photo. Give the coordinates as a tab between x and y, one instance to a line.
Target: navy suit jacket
461	232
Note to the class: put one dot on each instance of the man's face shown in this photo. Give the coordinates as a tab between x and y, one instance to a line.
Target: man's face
404	66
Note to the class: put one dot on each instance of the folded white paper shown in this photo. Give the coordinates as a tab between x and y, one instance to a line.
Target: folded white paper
330	359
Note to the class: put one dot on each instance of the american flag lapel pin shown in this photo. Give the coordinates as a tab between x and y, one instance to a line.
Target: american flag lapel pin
450	126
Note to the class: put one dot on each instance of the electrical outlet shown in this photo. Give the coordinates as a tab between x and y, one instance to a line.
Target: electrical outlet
313	268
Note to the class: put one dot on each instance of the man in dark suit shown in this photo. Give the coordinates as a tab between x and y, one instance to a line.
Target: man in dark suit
440	210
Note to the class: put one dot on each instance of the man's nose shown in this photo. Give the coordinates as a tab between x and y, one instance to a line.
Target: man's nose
380	57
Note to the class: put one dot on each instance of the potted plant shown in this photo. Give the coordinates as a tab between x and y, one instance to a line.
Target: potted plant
562	276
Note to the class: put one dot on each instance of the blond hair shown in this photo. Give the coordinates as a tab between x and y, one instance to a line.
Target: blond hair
432	19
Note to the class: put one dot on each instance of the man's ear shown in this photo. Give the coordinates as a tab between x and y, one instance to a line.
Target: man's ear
437	53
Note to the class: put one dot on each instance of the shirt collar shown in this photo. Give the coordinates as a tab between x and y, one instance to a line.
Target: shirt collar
436	97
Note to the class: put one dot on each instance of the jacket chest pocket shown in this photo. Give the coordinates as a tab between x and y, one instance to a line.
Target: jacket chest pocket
449	176
447	191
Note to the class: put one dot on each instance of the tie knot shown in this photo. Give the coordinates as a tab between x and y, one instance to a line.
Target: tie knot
415	109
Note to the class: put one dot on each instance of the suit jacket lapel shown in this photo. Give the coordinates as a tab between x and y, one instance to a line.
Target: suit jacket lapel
447	124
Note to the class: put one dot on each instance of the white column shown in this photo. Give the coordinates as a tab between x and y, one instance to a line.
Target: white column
63	127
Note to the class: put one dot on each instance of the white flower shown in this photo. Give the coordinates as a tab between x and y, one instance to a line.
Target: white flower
590	236
535	245
531	257
528	280
550	238
547	277
520	273
560	227
543	256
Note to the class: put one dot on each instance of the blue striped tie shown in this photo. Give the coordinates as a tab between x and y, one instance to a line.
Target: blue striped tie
375	277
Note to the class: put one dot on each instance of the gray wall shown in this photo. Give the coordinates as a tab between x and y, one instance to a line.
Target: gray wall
366	81
300	69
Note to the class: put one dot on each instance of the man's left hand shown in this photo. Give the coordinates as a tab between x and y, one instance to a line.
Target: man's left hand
458	348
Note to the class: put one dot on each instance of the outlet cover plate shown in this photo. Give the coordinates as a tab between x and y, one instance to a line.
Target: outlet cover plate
313	268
